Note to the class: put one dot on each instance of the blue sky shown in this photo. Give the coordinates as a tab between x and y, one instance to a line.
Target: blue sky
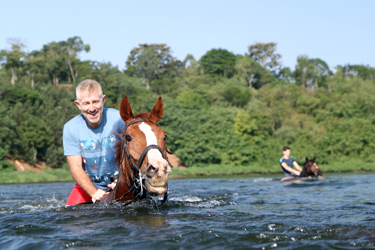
337	31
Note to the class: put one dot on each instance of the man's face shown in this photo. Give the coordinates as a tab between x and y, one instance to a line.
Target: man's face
286	153
91	105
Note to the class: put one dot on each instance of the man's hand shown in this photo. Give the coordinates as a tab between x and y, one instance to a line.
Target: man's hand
113	184
98	195
296	172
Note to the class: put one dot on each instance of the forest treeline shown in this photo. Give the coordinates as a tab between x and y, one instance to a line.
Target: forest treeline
224	109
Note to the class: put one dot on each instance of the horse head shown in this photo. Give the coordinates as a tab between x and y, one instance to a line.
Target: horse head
141	155
311	168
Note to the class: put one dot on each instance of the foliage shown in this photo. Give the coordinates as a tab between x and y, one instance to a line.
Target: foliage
218	62
265	54
13	60
221	112
151	61
251	72
311	72
236	94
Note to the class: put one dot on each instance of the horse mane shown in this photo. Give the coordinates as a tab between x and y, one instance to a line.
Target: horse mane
304	172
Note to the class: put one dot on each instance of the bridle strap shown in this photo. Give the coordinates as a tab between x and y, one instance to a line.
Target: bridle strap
132	122
143	155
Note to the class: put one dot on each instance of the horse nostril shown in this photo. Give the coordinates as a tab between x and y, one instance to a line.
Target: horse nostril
167	169
152	169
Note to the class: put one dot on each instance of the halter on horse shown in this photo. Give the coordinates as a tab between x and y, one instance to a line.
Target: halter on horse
310	168
141	156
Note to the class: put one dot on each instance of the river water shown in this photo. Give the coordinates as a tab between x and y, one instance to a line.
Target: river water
215	213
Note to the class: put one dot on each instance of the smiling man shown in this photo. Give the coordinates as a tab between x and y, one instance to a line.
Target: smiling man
88	144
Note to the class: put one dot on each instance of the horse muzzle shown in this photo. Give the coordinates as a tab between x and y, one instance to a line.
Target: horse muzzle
156	178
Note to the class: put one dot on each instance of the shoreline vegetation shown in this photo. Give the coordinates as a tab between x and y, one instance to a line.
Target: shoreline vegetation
13	176
225	114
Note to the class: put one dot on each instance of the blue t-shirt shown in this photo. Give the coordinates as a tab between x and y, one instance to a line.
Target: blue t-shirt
95	145
289	163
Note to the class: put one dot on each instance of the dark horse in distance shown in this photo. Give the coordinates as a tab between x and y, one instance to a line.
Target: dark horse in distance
141	156
310	172
310	168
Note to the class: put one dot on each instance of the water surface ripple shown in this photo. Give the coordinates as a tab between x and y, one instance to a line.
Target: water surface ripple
216	213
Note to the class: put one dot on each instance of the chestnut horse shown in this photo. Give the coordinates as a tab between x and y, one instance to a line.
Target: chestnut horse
310	168
141	156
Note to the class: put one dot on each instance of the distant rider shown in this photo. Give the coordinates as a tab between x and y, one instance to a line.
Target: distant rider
287	163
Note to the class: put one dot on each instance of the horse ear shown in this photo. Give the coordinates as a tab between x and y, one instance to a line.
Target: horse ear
125	109
313	159
307	159
158	110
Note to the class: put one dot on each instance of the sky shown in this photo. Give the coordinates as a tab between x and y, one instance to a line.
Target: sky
338	32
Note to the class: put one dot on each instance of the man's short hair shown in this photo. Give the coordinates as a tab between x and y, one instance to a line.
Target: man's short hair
285	148
90	86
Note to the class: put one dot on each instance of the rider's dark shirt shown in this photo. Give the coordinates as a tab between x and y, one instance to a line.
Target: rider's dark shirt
288	162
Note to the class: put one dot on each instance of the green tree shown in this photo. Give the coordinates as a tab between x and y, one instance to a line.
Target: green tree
61	58
236	95
71	48
218	62
265	54
34	63
8	135
36	135
362	71
190	66
311	72
13	59
254	124
54	62
190	97
151	61
286	76
252	72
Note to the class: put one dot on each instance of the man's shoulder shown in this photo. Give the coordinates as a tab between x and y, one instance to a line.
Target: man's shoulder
74	126
114	119
112	114
290	159
75	120
112	111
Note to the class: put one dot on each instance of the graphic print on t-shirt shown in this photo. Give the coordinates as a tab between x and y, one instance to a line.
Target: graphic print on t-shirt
99	153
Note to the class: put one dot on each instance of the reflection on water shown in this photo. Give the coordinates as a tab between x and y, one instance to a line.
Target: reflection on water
224	213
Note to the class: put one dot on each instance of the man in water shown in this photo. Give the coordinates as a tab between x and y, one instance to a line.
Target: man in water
88	141
287	163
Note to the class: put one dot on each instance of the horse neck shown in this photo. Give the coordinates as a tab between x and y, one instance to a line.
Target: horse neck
304	172
123	182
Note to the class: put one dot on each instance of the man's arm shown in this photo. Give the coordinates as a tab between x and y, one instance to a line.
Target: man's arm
286	167
82	179
295	164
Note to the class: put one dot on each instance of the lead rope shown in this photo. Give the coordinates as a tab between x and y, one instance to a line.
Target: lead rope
141	183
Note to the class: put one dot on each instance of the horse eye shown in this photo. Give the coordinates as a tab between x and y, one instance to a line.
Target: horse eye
165	138
128	138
